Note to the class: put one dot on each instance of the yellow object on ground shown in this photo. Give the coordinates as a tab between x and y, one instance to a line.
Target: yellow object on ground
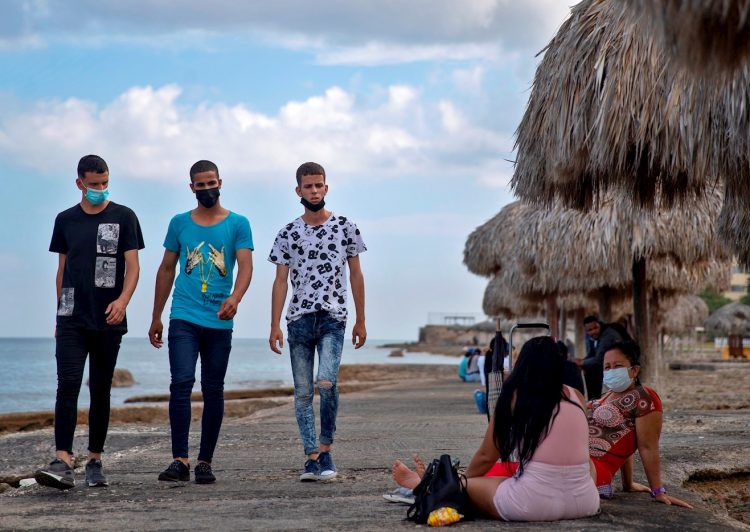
725	352
443	517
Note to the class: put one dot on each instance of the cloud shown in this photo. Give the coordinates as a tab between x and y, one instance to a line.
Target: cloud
469	80
337	31
148	133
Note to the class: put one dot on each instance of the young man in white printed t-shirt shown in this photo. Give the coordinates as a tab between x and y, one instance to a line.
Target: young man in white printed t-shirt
314	251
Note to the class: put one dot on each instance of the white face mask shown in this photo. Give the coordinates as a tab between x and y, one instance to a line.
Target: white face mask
617	379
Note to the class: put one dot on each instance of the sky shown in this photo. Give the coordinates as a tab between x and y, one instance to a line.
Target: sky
410	105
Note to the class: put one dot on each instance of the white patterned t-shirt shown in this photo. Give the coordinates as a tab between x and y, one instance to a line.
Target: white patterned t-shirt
316	256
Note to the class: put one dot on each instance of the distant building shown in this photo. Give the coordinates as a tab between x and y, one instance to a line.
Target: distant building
738	284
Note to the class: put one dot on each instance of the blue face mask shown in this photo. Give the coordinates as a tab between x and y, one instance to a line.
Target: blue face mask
618	379
96	197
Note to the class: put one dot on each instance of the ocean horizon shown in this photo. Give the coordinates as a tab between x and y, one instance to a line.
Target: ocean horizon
30	372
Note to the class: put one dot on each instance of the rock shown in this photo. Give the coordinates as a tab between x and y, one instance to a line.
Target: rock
121	379
4	487
396	353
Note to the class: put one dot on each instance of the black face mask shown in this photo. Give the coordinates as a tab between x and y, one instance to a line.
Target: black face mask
207	196
314	207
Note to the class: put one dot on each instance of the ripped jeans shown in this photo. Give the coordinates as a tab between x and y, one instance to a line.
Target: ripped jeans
305	334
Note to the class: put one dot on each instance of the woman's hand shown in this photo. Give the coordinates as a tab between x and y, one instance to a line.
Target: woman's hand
636	487
668	499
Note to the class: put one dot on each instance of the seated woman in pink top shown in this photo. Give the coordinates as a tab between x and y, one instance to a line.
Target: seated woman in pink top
540	423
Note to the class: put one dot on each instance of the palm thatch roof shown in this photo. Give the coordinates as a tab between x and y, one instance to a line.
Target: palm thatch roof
503	301
729	320
489	245
706	36
565	251
607	111
681	314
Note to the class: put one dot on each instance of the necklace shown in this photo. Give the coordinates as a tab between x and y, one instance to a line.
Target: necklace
204	278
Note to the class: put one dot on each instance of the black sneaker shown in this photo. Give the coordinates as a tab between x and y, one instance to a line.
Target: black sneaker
57	474
311	472
94	476
326	466
177	471
203	474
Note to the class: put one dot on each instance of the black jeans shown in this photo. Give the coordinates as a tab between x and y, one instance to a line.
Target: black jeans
72	346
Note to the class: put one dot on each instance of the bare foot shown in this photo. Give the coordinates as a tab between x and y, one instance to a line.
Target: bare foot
421	467
403	476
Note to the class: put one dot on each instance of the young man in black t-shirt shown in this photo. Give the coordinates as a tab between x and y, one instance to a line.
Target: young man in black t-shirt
97	243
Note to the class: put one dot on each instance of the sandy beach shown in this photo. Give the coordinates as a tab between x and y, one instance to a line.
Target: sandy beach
386	412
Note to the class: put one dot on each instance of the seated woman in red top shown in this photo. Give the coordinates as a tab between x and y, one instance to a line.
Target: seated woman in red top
625	419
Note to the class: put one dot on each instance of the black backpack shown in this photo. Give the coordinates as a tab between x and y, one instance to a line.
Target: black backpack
440	487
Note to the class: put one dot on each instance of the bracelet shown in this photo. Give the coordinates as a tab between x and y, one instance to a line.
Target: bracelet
658	491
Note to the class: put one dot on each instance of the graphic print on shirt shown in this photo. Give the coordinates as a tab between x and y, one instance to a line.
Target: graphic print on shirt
206	266
107	238
66	303
104	275
317	258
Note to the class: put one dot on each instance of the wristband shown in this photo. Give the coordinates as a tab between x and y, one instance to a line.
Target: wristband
658	491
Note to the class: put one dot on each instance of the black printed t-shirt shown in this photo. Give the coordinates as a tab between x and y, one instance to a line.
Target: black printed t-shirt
94	246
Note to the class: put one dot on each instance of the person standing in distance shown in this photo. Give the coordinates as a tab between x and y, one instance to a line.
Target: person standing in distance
97	243
206	241
314	251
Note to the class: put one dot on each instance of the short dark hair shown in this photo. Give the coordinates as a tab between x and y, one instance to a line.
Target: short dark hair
203	166
590	319
310	168
91	163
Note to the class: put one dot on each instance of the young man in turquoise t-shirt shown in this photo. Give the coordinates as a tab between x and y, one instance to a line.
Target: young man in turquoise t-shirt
206	242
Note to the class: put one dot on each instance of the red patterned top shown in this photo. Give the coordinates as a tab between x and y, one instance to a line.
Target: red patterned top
612	436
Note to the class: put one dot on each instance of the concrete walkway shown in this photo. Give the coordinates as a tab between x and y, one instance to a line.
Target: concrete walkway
259	459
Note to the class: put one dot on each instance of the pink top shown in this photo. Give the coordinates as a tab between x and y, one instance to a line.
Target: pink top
567	442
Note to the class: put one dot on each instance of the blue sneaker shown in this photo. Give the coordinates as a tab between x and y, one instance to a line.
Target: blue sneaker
311	472
327	467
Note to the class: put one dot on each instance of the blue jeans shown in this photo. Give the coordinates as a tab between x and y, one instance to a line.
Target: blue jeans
186	342
305	334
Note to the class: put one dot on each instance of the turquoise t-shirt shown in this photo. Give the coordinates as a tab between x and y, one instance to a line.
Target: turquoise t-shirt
207	258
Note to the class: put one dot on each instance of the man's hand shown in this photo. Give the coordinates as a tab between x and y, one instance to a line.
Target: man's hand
155	333
228	308
115	312
359	335
276	340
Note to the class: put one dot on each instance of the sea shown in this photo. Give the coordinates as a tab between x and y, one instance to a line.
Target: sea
28	376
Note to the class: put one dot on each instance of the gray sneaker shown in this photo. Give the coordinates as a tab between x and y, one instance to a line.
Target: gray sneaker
57	474
94	476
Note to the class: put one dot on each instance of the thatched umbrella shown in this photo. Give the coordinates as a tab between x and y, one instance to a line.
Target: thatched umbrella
681	314
708	37
733	321
548	253
607	112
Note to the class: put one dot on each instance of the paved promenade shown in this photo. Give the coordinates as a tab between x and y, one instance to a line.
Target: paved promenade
259	458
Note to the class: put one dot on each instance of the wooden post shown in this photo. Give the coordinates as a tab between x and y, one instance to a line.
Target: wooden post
578	326
551	305
605	304
640	315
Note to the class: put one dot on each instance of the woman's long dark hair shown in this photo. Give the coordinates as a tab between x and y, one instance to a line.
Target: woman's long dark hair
536	382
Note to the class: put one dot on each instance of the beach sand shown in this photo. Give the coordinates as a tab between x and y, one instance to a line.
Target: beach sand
388	411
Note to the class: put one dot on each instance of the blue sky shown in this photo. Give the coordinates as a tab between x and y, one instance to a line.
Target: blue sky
411	107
